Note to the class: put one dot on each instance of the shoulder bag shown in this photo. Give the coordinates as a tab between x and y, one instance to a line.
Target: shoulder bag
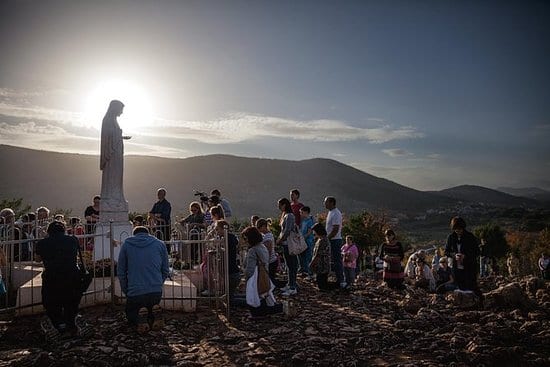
264	283
296	242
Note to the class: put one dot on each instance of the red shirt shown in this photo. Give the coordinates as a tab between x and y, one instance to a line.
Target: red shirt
296	211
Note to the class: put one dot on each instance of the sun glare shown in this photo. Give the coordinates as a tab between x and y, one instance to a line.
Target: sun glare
138	109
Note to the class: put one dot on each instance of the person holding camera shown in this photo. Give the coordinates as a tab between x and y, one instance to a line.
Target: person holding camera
223	201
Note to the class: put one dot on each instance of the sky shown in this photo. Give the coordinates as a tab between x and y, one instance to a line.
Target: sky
429	94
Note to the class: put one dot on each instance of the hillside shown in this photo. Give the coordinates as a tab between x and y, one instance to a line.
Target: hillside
527	192
479	194
252	185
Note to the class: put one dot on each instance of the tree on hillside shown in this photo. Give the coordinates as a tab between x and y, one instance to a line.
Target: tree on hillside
16	205
542	245
495	240
525	246
366	229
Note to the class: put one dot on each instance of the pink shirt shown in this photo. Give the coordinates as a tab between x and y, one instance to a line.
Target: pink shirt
353	255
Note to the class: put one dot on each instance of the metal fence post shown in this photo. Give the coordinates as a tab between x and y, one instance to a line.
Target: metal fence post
112	255
226	269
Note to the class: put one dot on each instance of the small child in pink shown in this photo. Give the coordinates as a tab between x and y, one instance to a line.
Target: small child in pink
350	253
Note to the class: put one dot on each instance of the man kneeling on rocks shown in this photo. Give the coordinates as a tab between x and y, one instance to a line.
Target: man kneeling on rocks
61	291
142	269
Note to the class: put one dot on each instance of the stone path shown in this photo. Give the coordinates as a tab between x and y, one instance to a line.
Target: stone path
370	326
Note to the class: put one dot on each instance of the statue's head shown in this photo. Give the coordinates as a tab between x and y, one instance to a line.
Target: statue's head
115	108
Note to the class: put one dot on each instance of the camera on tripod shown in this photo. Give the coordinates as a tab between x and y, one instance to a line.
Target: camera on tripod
203	196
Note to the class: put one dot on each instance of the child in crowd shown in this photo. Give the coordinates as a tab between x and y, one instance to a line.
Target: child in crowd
269	242
423	275
350	253
320	264
77	229
435	260
445	280
306	224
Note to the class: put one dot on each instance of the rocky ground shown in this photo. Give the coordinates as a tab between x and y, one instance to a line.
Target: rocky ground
370	326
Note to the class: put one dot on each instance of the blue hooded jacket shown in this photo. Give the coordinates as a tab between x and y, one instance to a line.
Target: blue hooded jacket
142	265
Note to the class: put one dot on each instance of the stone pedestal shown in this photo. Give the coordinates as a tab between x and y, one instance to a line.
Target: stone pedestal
115	211
121	231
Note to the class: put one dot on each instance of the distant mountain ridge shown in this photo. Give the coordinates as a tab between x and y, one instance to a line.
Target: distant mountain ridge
527	192
252	185
479	194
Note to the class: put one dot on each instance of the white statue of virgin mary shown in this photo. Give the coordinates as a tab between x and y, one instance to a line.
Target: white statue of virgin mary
111	163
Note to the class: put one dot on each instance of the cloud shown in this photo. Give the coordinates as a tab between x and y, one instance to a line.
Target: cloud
41	113
30	128
15	94
238	127
397	152
231	128
154	150
49	136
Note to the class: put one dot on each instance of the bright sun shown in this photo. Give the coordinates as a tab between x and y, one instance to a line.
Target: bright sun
138	110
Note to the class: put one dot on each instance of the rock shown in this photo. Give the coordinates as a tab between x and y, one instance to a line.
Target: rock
470	317
403	324
529	327
106	350
507	296
536	316
458	342
532	284
311	331
281	330
517	315
410	304
462	299
300	357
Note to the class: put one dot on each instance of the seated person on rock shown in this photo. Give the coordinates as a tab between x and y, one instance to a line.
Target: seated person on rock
423	275
444	277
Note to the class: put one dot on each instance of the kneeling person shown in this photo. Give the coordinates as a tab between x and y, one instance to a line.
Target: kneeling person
142	269
61	292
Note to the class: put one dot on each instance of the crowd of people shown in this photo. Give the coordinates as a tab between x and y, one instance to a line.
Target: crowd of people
330	261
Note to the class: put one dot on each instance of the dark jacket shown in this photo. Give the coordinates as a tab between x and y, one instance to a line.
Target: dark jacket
233	244
469	246
465	278
164	209
59	255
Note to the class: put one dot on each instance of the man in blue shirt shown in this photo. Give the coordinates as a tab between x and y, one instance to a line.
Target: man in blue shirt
142	269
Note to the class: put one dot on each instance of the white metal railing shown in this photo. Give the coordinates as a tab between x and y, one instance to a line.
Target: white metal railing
198	266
